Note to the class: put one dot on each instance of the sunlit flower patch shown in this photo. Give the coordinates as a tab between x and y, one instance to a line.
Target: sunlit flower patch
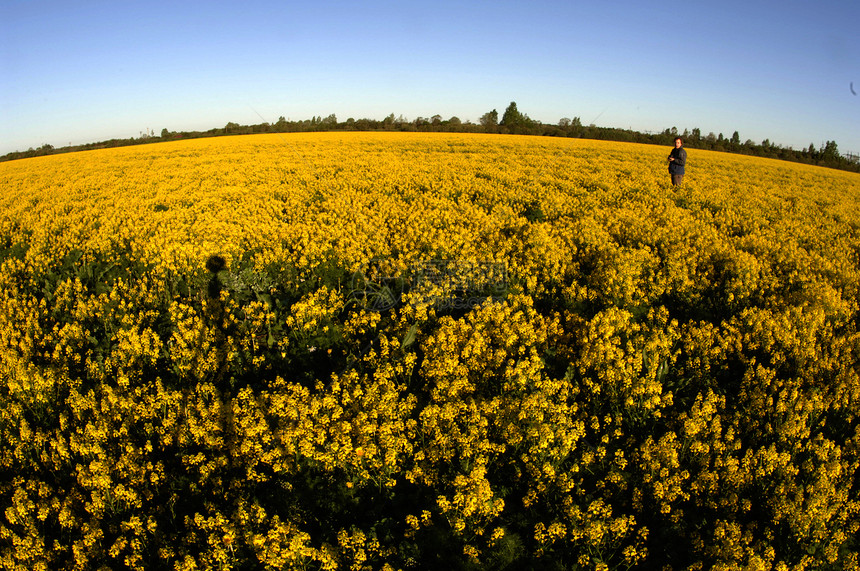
392	350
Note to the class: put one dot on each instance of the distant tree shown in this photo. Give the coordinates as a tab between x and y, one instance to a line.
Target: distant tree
512	118
570	127
329	122
768	149
736	139
830	152
515	122
165	133
490	121
455	121
436	120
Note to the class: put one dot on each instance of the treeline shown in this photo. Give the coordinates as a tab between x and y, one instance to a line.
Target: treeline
512	121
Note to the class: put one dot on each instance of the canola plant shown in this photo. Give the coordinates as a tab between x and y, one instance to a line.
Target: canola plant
412	351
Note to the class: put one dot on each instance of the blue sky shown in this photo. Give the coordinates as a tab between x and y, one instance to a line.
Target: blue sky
77	72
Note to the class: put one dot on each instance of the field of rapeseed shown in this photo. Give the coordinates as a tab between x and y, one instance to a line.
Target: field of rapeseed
412	351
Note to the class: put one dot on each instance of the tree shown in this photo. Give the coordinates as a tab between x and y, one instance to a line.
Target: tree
571	127
736	139
329	122
490	121
830	152
512	117
515	122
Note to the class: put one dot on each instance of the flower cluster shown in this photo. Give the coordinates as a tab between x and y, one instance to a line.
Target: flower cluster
251	352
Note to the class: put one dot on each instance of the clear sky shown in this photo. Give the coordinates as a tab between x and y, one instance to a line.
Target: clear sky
84	71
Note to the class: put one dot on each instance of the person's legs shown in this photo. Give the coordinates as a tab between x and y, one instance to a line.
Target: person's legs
676	179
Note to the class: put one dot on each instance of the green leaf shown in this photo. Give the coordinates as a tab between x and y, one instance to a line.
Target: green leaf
410	337
267	299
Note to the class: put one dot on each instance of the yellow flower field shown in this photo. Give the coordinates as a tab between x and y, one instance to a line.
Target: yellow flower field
413	351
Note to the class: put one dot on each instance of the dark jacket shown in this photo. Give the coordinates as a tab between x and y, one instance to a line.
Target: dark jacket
680	156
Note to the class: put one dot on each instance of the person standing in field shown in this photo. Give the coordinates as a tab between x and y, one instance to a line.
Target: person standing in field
677	160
